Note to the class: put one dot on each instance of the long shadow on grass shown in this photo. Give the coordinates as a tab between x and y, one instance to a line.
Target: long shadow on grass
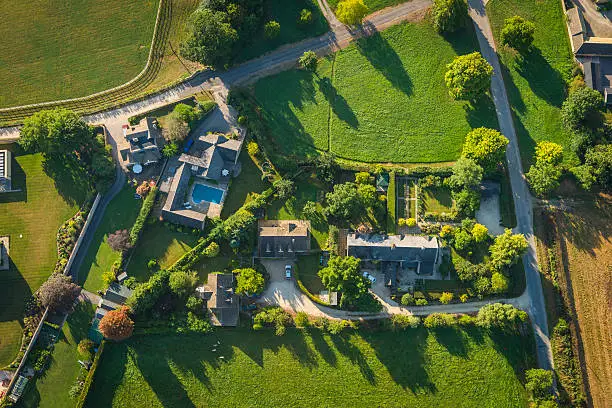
71	181
349	350
14	289
383	57
403	354
463	41
453	339
109	376
481	113
337	103
545	81
518	348
322	346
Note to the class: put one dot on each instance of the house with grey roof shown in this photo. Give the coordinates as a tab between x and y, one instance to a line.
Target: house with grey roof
283	238
142	143
201	179
221	300
396	253
115	296
5	171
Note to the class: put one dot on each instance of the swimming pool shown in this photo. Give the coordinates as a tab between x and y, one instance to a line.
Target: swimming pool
206	193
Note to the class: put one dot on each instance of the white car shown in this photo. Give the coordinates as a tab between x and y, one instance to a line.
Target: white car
369	276
288	272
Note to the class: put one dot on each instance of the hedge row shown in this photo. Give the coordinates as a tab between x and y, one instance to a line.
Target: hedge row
90	377
189	259
391	203
145	210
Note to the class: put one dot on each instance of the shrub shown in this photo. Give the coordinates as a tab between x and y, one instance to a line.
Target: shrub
305	17
539	383
143	189
447	231
351	12
410	222
582	108
548	153
152	264
407	299
468	76
402	322
499	282
502	316
145	295
449	15
421	302
464	298
480	233
108	278
543	178
249	281
116	324
185	113
401	222
212	250
466	320
182	283
170	149
517	33
301	319
439	320
273	316
391	204
272	29
195	305
336	327
253	149
309	61
119	240
321	323
446	298
85	348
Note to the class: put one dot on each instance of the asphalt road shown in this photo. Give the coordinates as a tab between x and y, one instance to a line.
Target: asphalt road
523	201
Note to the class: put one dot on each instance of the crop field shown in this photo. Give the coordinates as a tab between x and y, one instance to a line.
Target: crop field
382	99
536	84
55	49
307	368
31	219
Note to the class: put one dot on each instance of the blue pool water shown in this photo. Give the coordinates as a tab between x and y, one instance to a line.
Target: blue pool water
205	193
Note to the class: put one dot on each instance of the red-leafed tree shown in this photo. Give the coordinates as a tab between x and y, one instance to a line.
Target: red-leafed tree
117	325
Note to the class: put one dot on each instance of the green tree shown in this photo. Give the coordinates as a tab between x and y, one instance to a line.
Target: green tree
599	159
170	149
301	319
548	153
211	38
367	192
182	283
363	177
487	147
310	211
185	112
480	233
467	201
344	202
439	320
446	298
543	178
539	383
343	274
449	15
582	108
55	133
517	33
351	12
468	76
498	315
584	175
466	174
499	282
407	299
463	241
272	29
249	281
284	188
305	17
507	249
309	61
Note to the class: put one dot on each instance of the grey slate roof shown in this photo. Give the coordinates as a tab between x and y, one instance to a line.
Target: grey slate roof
117	293
408	250
594	49
283	238
222	301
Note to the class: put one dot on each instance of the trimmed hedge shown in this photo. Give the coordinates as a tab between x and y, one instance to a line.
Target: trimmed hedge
90	377
145	210
146	294
391	203
192	257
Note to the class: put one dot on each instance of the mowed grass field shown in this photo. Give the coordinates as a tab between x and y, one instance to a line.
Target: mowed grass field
416	368
536	84
382	99
31	219
373	5
56	49
586	233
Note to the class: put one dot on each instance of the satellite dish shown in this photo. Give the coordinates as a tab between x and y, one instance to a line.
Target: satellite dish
137	169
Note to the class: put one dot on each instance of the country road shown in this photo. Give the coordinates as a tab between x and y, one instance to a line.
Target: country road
340	37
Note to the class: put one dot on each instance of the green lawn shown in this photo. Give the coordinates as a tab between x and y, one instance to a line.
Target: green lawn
382	99
220	263
162	243
415	368
31	219
309	273
286	13
242	187
52	389
55	49
536	84
373	5
120	214
437	199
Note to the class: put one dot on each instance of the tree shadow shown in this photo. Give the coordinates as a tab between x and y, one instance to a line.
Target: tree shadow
338	104
322	346
545	81
406	368
14	290
109	375
481	113
453	339
514	95
71	181
383	58
346	348
464	40
518	348
79	321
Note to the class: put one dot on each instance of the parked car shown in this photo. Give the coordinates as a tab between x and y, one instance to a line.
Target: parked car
369	276
287	271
